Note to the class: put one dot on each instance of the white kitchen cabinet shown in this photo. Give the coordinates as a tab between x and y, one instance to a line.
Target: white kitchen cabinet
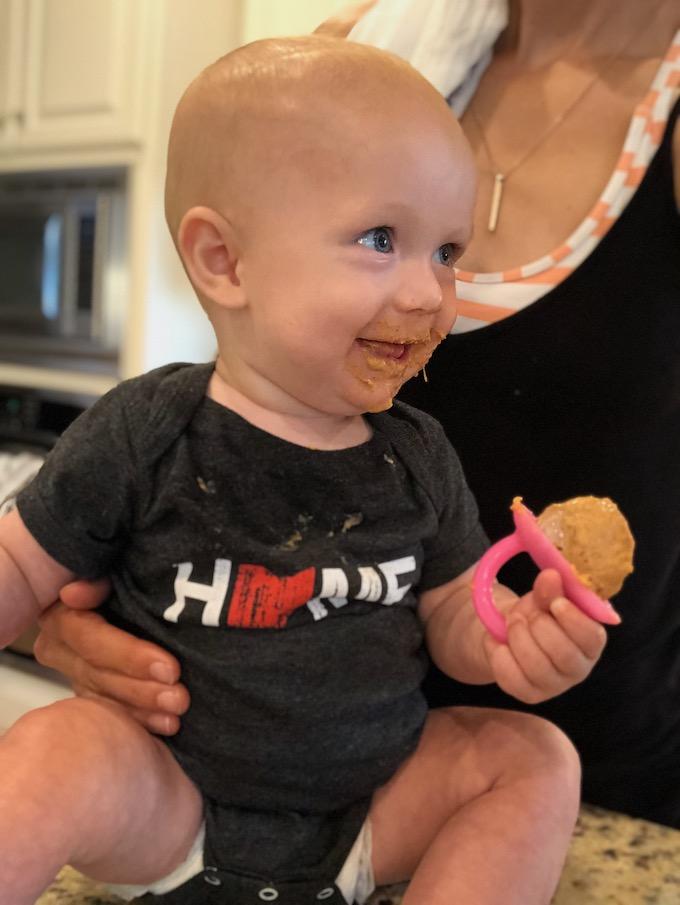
112	109
72	72
12	33
94	83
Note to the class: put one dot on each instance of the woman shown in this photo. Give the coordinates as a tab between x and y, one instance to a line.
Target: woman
565	376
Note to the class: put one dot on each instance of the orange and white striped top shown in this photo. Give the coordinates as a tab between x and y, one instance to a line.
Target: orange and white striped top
484	298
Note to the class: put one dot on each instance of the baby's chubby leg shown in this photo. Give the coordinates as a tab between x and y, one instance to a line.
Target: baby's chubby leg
481	813
81	783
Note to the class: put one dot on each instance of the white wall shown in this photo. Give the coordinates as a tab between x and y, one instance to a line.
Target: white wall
273	18
169	324
173	325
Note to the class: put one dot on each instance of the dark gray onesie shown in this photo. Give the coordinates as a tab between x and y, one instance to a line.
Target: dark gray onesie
285	581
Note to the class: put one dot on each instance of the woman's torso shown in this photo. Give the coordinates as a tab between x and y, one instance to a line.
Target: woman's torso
552	191
579	393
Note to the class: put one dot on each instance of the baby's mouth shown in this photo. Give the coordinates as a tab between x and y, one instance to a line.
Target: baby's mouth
395	351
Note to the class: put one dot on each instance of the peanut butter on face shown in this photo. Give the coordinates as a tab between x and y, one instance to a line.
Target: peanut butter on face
594	536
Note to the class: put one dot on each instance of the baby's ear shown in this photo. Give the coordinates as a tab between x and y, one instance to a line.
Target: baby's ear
210	253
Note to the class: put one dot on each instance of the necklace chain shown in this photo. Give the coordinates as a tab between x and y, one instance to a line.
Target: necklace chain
500	176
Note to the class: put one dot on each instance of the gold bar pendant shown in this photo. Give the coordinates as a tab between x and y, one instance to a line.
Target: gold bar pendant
496	198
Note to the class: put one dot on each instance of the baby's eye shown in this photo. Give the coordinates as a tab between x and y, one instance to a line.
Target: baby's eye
378	239
447	254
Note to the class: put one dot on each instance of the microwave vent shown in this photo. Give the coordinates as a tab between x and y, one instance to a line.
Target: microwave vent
17	185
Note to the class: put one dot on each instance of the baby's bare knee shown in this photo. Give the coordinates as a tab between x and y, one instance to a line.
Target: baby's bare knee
57	722
551	743
510	740
505	746
74	728
482	749
540	741
545	758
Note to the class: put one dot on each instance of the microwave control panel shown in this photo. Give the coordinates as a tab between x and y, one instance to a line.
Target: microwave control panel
32	417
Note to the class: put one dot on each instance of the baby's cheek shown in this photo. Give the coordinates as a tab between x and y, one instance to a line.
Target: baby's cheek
422	354
450	320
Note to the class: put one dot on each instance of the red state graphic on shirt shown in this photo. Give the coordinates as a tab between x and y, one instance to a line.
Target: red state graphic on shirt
261	599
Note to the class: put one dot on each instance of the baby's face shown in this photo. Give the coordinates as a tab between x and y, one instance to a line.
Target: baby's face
349	251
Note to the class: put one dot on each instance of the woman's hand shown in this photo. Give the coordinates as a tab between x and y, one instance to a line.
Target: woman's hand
102	661
341	24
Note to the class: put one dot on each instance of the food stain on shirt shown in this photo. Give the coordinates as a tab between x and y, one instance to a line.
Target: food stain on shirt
293	541
356	518
206	486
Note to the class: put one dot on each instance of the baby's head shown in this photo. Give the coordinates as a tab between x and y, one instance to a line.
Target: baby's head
319	192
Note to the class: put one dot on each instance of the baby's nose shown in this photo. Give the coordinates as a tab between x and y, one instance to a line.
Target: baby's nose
419	289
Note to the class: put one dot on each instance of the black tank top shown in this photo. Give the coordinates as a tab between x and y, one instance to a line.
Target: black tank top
579	393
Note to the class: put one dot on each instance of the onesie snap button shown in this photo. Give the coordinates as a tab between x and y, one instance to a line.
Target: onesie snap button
211	878
325	893
268	894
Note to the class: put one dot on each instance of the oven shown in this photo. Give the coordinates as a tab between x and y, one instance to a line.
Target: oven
30	422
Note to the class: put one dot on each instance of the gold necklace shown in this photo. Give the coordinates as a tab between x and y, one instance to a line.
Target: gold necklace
500	176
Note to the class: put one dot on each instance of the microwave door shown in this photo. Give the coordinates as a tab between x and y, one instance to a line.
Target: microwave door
95	240
86	251
79	305
31	261
68	321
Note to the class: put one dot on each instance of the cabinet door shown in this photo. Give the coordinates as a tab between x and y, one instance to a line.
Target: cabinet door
12	43
82	71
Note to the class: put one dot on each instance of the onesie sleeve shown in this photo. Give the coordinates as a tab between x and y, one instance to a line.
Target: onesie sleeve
458	539
78	507
461	540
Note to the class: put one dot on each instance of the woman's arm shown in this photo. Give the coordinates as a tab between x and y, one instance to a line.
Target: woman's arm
676	161
103	661
341	24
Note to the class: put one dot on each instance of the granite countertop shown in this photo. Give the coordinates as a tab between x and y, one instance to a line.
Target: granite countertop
613	860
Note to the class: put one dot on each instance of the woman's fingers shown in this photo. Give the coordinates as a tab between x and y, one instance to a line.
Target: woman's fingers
133	694
156	722
68	636
82	645
103	661
85	595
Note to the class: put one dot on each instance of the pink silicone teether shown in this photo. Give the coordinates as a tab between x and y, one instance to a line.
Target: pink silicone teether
528	538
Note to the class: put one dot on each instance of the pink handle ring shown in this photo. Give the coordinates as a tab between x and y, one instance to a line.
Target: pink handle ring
528	538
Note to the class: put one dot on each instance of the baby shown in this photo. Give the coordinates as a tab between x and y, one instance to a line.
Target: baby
300	548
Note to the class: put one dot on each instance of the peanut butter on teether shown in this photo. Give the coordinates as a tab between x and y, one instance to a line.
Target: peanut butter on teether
594	536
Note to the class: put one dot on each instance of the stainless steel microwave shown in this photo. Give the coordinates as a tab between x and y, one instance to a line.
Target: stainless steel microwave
62	290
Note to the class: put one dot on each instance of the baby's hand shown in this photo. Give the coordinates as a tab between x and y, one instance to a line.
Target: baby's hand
551	644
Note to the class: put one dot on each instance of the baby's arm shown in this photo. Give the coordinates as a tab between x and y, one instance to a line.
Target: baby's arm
30	579
551	644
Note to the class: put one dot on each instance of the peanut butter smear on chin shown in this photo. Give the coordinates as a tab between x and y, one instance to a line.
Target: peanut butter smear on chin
393	371
592	533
